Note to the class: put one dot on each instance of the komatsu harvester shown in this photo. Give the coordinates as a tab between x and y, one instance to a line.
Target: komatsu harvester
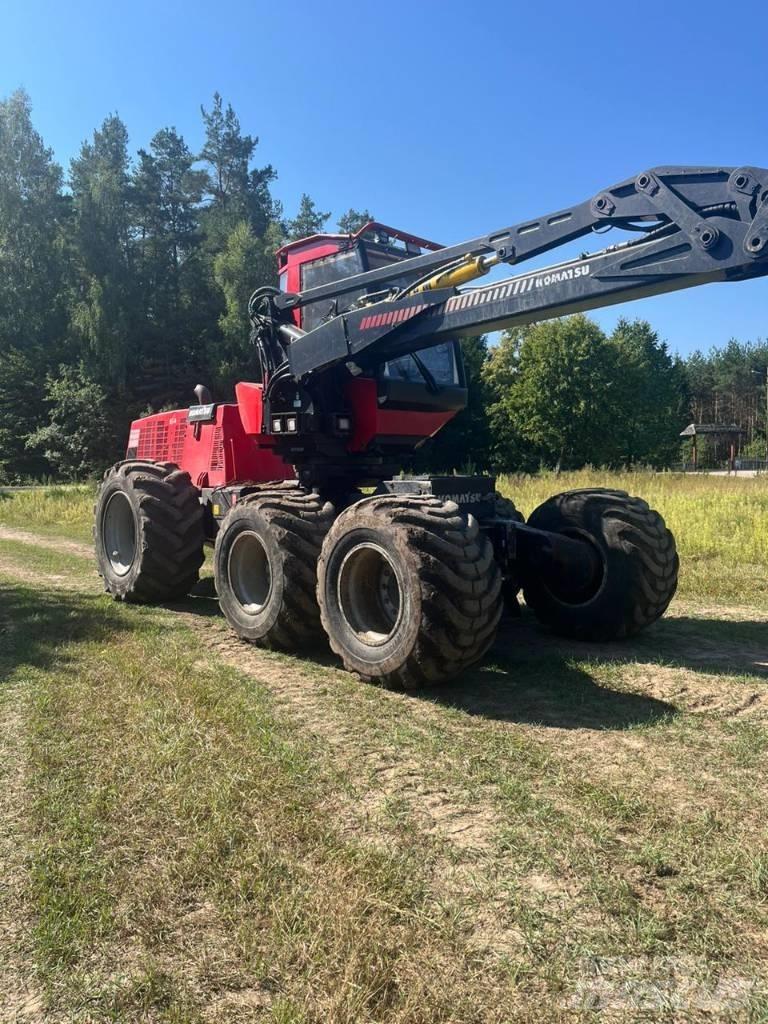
357	363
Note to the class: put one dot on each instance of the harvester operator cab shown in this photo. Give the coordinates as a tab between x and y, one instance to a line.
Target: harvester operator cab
324	258
431	378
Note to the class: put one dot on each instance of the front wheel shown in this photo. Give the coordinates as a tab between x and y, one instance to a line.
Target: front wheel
638	563
148	532
409	591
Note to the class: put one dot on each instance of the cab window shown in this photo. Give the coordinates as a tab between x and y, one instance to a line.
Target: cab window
440	360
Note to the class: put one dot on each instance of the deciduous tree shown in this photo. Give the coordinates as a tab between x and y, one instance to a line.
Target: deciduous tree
560	398
77	440
651	397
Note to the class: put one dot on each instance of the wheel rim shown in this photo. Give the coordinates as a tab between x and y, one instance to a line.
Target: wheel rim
369	595
119	533
250	576
575	597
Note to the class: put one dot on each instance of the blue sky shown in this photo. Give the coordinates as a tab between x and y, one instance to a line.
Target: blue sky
448	119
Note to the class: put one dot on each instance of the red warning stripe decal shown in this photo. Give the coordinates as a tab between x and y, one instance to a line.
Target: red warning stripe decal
395	316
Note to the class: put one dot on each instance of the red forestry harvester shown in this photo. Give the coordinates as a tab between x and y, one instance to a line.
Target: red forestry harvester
357	363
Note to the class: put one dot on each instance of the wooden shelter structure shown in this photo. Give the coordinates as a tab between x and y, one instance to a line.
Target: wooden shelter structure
724	437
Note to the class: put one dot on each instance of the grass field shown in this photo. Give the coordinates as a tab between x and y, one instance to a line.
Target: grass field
194	830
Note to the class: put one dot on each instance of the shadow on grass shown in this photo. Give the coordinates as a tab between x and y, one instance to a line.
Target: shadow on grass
727	647
718	646
532	676
36	626
548	690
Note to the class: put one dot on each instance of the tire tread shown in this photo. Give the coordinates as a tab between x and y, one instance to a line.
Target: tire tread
458	579
170	539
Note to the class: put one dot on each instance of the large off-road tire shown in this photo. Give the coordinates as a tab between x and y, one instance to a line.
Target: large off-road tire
409	591
265	565
148	532
637	556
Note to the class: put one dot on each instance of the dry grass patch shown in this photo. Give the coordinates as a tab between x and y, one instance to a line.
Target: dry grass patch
62	511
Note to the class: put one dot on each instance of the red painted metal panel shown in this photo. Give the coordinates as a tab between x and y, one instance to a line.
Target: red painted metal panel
213	454
370	421
249	402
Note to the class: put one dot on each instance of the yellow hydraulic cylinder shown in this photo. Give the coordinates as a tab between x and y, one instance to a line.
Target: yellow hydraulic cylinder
469	270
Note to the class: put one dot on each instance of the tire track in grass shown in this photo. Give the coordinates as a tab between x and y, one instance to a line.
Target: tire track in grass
398	763
385	778
441	813
72	547
396	785
392	785
390	777
315	696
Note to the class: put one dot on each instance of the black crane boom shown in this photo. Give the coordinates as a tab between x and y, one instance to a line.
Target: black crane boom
697	225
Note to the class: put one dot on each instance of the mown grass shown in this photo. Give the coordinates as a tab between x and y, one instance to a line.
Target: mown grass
184	843
187	859
204	846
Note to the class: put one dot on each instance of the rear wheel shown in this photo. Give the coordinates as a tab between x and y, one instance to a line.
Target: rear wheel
148	532
638	559
265	564
409	591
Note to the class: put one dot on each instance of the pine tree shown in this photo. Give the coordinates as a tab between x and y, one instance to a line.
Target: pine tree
32	216
242	228
234	190
106	316
353	220
308	221
227	152
166	193
33	282
727	385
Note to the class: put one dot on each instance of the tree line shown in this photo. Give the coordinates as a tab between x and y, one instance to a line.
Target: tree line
125	281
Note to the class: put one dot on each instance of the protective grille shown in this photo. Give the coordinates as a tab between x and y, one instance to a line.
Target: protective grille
217	449
153	441
178	436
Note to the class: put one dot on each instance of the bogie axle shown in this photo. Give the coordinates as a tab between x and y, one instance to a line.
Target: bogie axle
406	585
